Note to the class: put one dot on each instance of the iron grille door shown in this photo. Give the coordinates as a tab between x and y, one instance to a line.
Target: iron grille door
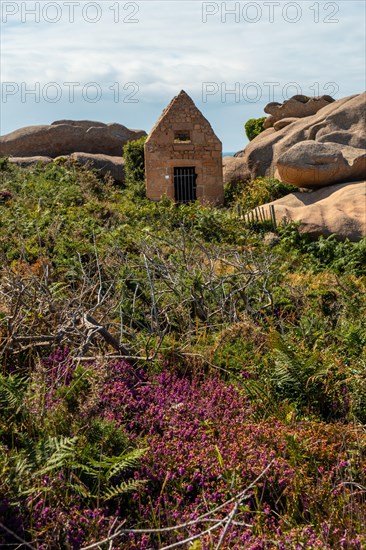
185	184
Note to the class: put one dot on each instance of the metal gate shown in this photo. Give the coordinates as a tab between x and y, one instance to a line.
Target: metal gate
185	184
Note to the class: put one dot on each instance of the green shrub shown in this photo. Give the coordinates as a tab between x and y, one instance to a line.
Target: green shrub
342	256
4	163
133	153
253	127
325	252
262	190
232	190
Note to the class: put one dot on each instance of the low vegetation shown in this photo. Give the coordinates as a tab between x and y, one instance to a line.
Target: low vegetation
171	377
134	157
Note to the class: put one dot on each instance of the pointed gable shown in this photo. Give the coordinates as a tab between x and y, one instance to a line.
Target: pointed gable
182	115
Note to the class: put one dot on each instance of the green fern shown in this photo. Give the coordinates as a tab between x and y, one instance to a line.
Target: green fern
266	404
114	465
60	453
12	390
24	470
124	462
104	470
124	487
294	377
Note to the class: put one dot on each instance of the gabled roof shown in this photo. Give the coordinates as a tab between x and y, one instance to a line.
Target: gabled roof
177	106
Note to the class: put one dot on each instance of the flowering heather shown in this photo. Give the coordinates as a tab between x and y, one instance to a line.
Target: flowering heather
68	527
205	448
59	369
302	483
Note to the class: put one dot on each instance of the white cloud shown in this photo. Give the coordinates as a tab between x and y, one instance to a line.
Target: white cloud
171	48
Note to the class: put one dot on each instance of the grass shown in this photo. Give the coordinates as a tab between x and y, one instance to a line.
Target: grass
168	378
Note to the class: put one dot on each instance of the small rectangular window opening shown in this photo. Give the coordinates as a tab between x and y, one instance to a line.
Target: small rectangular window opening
182	136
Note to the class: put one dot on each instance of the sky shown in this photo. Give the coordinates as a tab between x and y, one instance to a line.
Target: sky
123	61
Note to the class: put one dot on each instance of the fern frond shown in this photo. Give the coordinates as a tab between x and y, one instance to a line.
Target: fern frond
61	451
125	462
12	388
90	469
124	487
22	467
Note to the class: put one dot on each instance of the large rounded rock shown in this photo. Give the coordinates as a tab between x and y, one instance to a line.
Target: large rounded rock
315	164
342	122
66	137
338	209
298	106
104	164
235	169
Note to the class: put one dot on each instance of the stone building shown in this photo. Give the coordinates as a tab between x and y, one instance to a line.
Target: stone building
183	156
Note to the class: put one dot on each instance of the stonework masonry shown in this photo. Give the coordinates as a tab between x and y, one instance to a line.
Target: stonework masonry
183	138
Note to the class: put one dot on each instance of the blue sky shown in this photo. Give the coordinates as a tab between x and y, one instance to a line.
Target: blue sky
121	61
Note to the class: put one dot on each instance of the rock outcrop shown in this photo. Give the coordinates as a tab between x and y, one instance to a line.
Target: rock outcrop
234	170
337	209
298	106
341	122
104	164
284	122
317	144
313	164
65	137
